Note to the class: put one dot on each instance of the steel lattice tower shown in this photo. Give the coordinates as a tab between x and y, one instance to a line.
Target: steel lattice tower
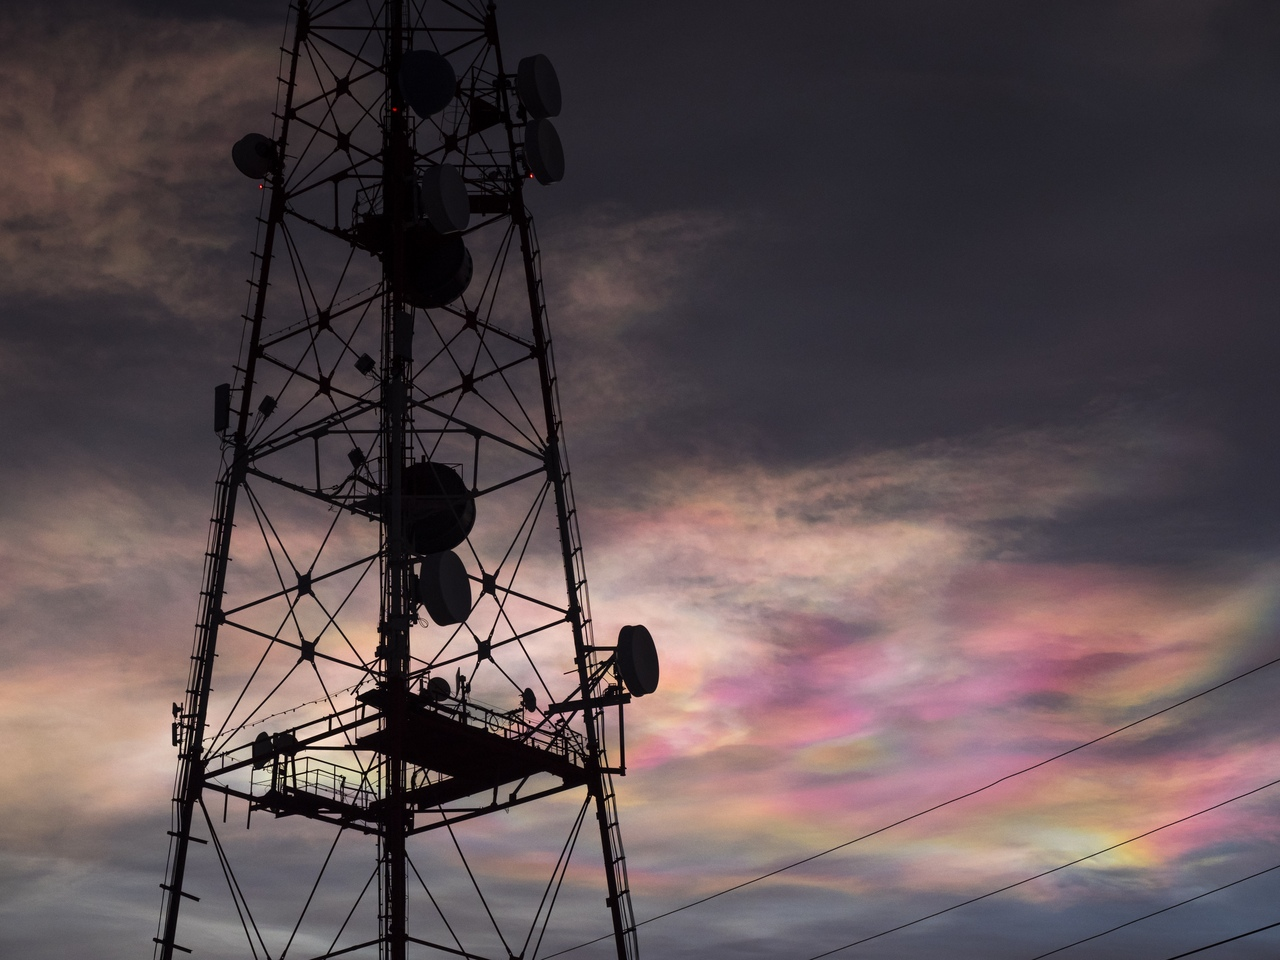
394	653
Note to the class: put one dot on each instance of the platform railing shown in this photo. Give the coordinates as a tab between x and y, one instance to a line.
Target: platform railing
510	724
319	778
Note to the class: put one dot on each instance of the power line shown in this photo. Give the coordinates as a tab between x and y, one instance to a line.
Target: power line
1238	936
1045	873
1155	913
928	810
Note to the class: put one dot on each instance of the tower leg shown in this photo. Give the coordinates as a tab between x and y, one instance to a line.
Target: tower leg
619	899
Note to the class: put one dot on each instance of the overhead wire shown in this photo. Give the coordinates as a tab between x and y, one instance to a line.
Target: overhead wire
1238	936
937	806
1155	913
1044	873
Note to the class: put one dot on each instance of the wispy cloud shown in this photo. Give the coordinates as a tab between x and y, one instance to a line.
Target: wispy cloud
116	150
848	643
616	274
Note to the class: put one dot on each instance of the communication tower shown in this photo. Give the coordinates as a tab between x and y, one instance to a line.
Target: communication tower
394	657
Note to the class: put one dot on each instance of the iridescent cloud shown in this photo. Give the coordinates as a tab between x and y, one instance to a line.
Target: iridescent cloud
847	644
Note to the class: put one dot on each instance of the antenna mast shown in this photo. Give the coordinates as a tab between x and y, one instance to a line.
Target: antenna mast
403	645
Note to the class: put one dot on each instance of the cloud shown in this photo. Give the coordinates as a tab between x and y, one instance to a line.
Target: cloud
94	559
114	167
616	276
88	749
844	643
848	643
845	640
614	271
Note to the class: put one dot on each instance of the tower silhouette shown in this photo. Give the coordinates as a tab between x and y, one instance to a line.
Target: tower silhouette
395	685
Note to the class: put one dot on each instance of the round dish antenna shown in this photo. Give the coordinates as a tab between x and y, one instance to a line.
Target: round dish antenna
437	689
262	751
254	155
444	588
538	87
444	198
637	660
427	82
543	152
438	509
438	268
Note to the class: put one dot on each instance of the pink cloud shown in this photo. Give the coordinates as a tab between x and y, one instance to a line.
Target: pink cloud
120	124
829	669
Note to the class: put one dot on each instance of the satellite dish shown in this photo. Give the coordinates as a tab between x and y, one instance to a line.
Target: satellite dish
254	155
444	198
427	82
543	151
529	699
538	87
438	509
637	660
263	750
437	689
438	268
444	588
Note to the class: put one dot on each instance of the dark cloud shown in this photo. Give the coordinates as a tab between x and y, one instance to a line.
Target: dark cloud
952	220
943	221
1017	258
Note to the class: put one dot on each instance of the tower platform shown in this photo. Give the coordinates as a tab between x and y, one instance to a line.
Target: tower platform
474	748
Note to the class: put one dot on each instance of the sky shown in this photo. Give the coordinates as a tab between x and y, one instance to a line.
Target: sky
917	364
